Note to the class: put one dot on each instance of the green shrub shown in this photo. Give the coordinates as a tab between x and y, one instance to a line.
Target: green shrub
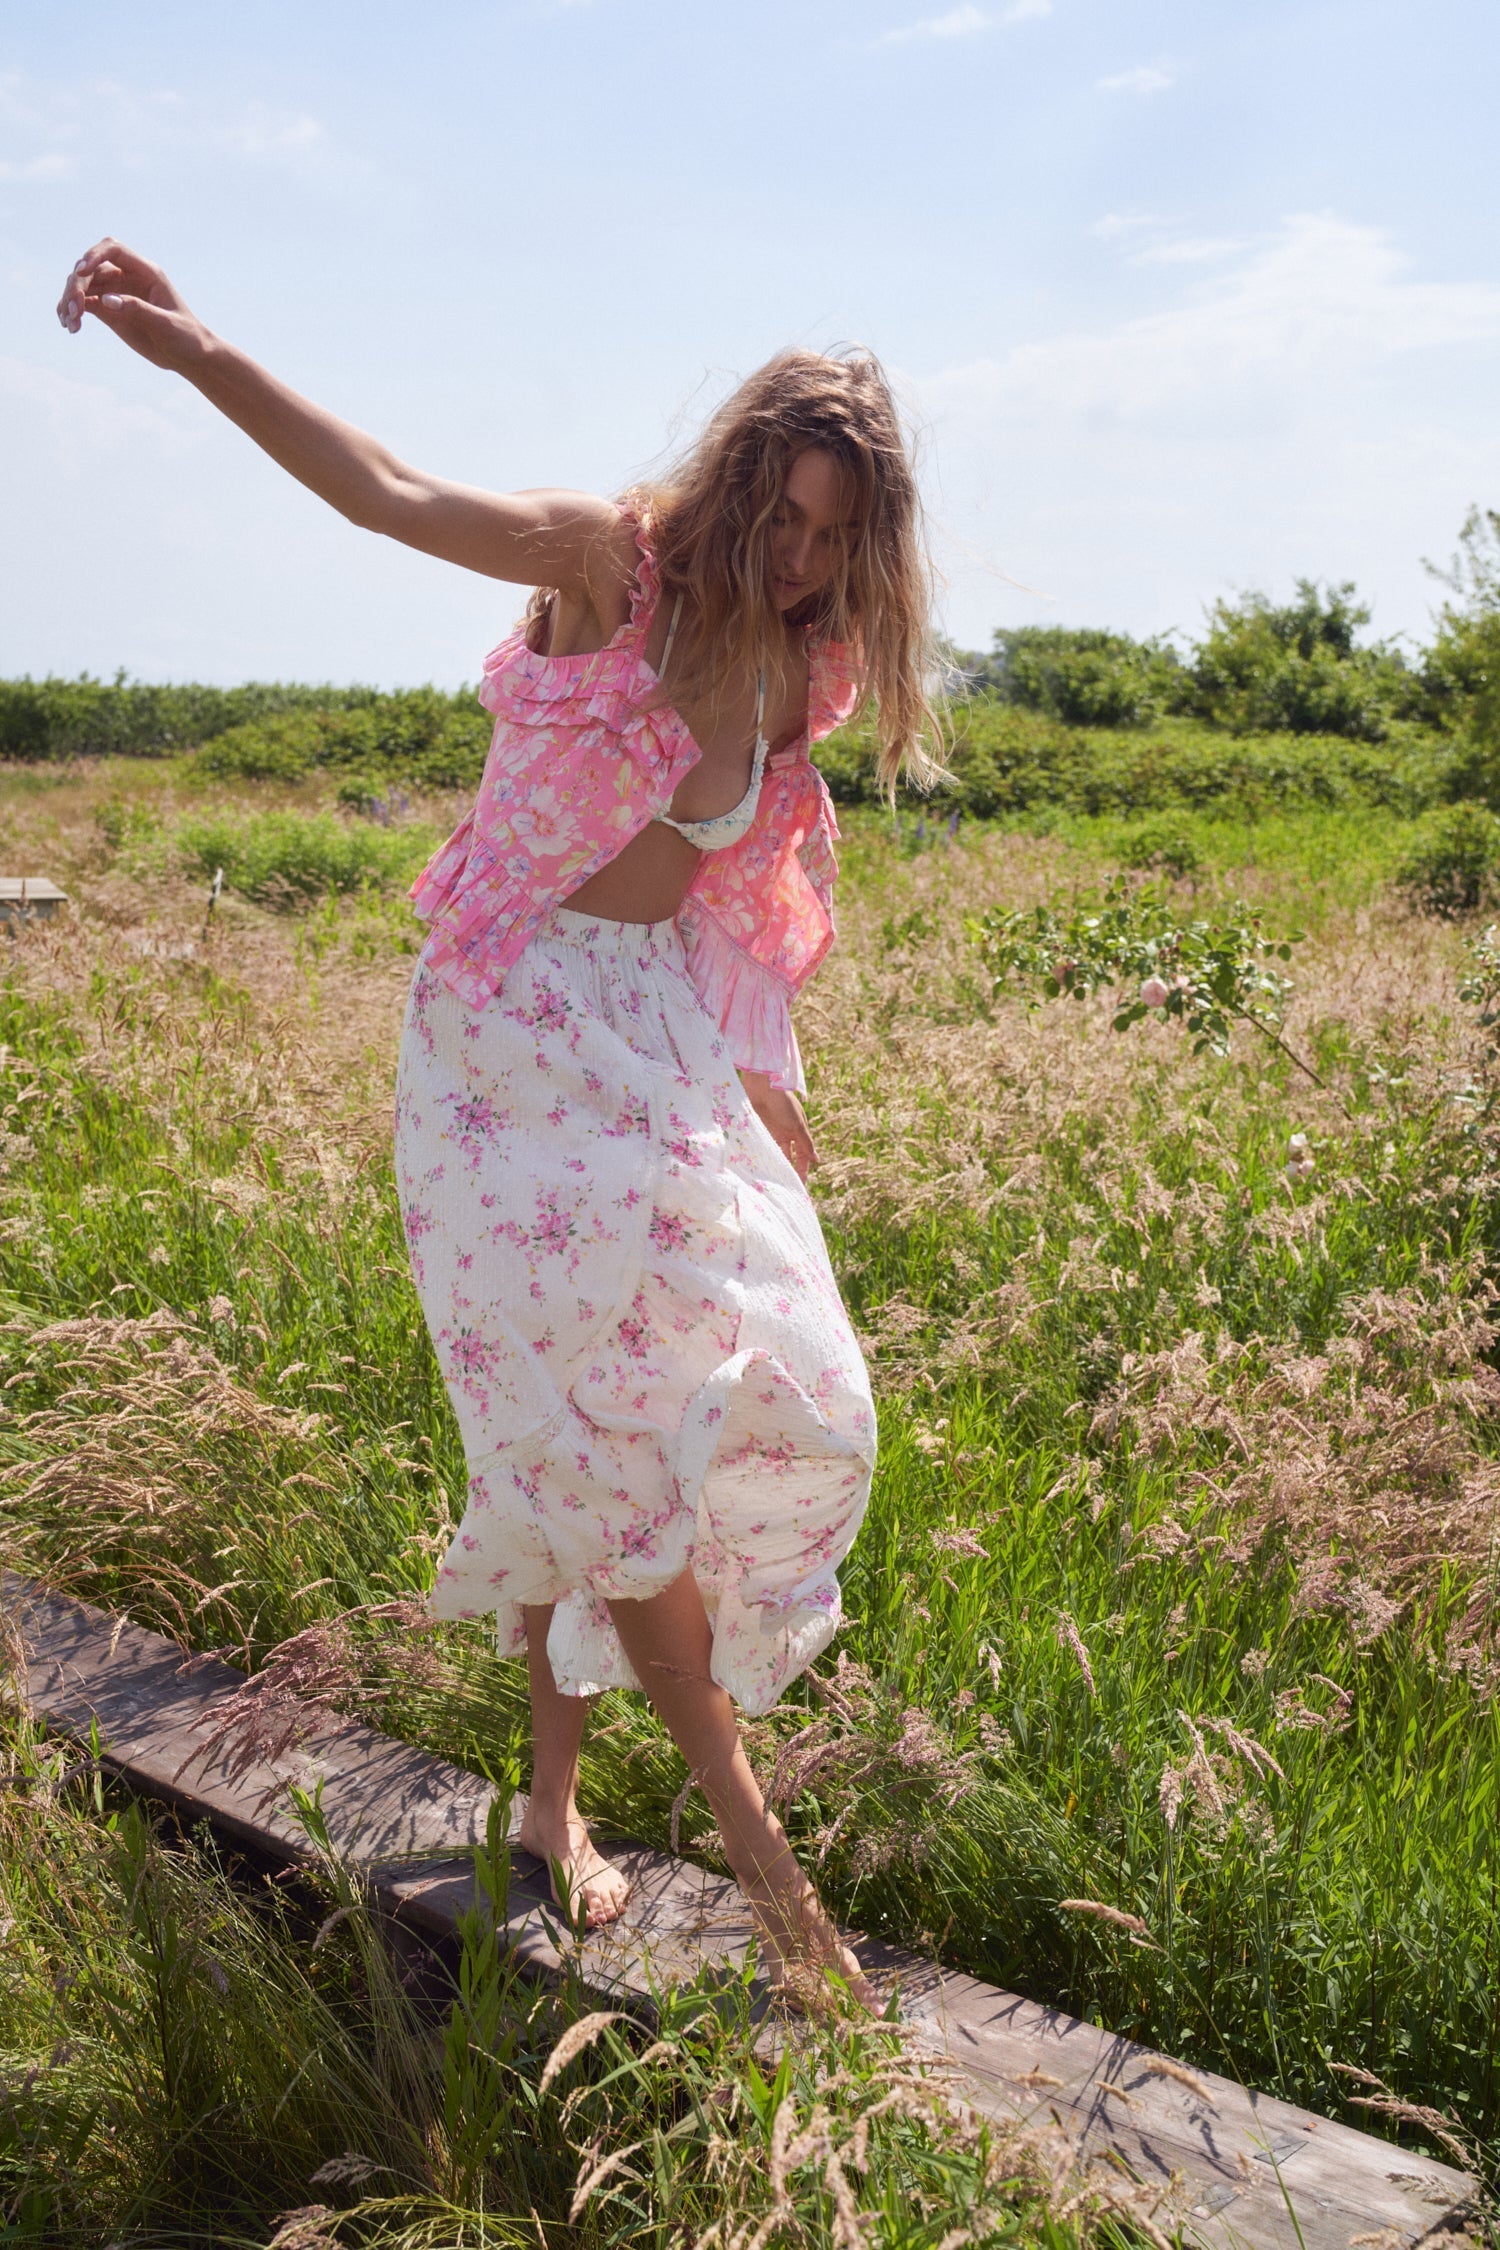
1298	668
1453	866
418	734
1461	671
290	858
1007	763
53	718
123	825
1161	848
373	797
1084	677
1474	758
259	731
280	748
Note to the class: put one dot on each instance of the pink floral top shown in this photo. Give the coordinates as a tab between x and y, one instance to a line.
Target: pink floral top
579	764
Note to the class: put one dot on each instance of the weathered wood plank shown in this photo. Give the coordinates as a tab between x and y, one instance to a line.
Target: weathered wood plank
35	895
162	1717
1235	2167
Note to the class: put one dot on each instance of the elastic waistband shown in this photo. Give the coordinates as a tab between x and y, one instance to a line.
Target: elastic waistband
594	935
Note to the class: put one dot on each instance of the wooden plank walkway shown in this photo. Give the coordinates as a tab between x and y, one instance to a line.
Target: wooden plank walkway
1238	2168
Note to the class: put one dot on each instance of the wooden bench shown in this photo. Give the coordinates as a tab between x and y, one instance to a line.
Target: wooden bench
1238	2168
22	895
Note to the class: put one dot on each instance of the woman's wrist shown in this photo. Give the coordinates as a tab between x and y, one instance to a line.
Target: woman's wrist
227	376
782	1114
204	358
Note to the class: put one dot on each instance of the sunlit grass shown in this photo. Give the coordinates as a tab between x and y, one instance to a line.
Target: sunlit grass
1177	1457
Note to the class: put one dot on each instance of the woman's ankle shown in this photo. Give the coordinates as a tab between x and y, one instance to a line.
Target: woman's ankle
774	1872
551	1808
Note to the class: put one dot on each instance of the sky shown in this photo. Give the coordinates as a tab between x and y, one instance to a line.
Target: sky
1180	297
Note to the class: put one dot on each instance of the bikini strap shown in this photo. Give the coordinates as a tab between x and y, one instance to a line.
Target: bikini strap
666	647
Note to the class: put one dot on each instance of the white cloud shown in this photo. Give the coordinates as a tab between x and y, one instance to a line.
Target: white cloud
1322	293
1126	227
134	126
1189	250
959	23
963	22
1117	223
270	134
1145	78
76	418
1307	405
37	168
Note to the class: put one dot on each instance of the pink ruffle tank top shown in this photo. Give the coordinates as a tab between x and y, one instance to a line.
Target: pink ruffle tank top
578	764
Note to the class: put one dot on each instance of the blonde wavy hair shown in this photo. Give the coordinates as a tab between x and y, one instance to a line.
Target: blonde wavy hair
710	525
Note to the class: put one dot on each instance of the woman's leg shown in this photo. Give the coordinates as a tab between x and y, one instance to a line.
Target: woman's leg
552	1827
669	1641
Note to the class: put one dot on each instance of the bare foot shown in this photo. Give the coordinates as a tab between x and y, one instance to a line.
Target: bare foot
800	1943
587	1875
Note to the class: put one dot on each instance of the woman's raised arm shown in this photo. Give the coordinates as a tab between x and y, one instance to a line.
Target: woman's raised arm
570	540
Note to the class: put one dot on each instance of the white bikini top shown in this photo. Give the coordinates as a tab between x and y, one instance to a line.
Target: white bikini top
728	827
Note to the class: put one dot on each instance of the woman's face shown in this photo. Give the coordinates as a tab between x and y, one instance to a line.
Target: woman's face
813	506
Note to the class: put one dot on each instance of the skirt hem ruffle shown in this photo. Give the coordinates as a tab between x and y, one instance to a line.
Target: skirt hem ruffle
749	1605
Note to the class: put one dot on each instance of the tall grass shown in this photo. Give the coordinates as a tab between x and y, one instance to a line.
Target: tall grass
1177	1588
192	2057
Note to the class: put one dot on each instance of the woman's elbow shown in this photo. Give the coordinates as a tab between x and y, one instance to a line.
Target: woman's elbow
385	501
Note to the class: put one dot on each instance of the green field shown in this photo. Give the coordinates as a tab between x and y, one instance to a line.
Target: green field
1176	1595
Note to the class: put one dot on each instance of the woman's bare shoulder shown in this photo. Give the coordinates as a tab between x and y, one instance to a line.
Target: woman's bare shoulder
577	541
614	560
592	597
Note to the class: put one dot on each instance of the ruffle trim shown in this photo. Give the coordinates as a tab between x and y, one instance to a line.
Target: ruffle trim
773	1613
747	1002
607	685
610	685
832	686
435	885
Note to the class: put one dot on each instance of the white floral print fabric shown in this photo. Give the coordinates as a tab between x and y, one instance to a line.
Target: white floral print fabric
634	1313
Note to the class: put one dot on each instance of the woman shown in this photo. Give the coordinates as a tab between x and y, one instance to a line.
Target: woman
601	1148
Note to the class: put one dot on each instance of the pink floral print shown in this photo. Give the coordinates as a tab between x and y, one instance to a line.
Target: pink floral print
579	763
633	1309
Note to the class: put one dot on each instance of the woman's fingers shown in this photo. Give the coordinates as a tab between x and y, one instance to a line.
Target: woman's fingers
784	1119
797	1147
70	305
93	275
109	269
138	273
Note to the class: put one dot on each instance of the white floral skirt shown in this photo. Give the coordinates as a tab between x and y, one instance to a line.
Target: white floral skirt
634	1312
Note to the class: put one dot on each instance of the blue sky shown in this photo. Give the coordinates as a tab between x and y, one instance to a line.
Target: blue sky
1182	298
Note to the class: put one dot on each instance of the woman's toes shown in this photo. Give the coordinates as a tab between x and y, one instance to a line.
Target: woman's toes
802	1953
580	1876
606	1893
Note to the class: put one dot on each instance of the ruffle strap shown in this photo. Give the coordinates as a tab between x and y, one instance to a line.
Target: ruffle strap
749	1004
605	685
833	686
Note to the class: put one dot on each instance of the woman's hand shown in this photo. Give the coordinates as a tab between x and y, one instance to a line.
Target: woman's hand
135	301
783	1118
572	540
